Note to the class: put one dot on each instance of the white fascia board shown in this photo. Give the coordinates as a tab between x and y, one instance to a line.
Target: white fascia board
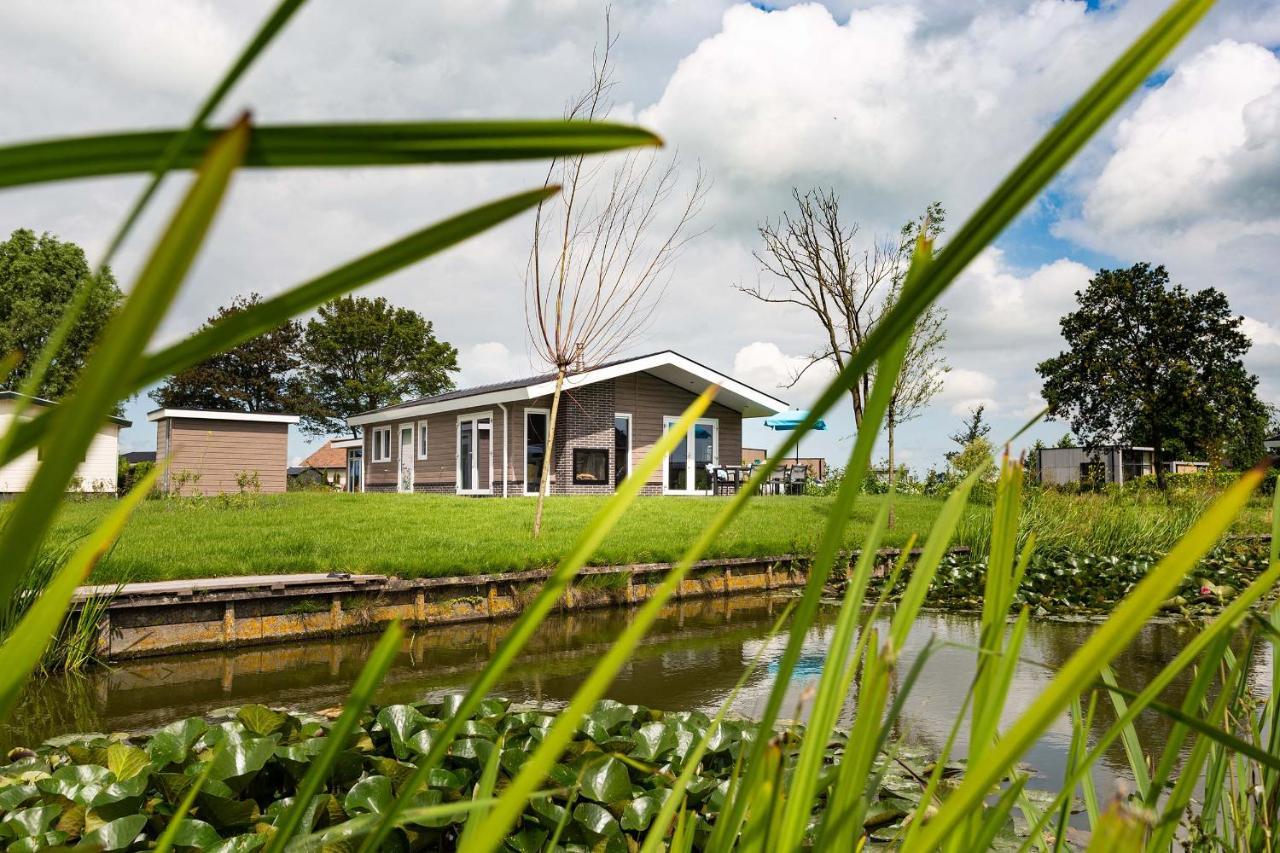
346	443
199	414
408	413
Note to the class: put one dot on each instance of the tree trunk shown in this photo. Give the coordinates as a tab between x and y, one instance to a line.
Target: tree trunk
548	456
889	432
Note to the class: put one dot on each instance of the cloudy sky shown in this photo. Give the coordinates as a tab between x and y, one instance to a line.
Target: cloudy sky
893	104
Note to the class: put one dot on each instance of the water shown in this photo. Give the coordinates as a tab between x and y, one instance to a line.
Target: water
691	660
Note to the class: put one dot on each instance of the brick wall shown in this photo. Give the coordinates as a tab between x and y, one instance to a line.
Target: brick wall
585	419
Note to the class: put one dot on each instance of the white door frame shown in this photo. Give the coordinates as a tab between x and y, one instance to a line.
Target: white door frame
667	422
546	451
474	418
403	459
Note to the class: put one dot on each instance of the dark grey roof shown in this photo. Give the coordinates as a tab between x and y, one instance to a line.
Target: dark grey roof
41	401
459	393
133	457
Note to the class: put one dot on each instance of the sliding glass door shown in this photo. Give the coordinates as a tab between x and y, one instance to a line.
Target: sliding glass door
687	468
475	458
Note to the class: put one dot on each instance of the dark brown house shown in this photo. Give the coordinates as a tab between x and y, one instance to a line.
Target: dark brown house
491	439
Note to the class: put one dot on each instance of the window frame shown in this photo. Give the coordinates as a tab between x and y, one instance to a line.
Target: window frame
421	440
631	432
524	437
385	454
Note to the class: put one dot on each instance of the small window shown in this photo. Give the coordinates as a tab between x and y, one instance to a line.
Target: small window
422	439
621	447
381	444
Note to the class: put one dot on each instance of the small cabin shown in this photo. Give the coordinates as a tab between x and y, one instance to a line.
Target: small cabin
96	474
213	452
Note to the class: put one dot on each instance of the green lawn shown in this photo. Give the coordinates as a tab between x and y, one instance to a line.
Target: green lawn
433	535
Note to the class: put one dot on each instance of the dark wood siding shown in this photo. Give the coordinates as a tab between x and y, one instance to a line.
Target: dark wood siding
649	399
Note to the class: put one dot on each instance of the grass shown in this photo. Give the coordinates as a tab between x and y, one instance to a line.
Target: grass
437	535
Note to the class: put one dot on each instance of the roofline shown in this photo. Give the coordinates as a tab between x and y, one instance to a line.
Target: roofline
209	415
541	388
41	401
346	443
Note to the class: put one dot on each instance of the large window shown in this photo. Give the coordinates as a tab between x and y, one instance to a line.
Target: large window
381	449
535	448
621	447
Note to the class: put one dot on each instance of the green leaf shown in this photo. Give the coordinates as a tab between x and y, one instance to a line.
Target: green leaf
171	744
321	145
640	812
605	780
40	842
240	758
80	783
528	840
373	795
400	722
33	821
116	835
196	833
240	844
126	761
226	812
653	740
261	720
15	795
596	820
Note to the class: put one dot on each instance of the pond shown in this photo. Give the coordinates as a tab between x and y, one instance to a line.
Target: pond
691	660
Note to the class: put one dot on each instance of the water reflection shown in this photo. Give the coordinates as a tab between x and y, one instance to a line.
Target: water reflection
692	659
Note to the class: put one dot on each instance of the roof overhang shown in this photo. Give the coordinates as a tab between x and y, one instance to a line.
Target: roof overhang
669	366
205	415
346	443
41	401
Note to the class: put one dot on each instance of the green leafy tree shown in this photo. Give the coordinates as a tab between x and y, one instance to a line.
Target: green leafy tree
360	354
1150	364
253	377
1067	440
973	428
38	276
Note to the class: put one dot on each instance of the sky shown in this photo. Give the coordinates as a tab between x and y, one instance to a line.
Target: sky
892	105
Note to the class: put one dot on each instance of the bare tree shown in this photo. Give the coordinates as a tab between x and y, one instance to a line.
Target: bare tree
813	252
602	249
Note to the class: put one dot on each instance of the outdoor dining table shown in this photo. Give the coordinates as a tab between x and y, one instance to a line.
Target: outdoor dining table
731	482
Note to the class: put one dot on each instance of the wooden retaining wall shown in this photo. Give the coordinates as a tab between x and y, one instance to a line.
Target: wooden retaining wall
149	619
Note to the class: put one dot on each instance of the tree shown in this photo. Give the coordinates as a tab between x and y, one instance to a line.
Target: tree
38	276
1150	364
1031	468
923	364
1067	440
360	354
970	431
254	376
596	267
812	252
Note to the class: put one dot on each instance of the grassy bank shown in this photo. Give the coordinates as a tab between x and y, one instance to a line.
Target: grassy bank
434	535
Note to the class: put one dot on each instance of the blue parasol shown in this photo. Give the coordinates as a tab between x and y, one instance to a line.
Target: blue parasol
791	419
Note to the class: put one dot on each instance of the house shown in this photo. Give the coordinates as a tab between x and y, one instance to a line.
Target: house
1118	464
330	462
96	474
491	440
222	452
134	457
1272	444
817	465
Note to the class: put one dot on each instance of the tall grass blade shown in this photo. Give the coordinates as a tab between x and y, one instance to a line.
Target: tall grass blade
1106	641
167	838
321	145
533	615
1128	735
77	419
361	696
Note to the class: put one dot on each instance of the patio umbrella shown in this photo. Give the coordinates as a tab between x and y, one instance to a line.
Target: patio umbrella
791	419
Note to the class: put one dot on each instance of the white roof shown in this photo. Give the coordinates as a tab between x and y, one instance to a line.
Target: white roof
669	366
207	415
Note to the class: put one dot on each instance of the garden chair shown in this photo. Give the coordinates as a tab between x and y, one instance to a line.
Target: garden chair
797	476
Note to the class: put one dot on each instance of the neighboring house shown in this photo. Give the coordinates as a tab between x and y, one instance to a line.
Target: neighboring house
331	463
1061	465
353	451
133	457
1272	444
817	465
219	452
492	439
96	474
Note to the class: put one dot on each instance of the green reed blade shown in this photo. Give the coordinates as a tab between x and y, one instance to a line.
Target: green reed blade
1128	736
483	791
321	145
994	819
165	842
662	821
536	611
358	700
77	419
1224	623
25	645
1105	643
1191	703
244	325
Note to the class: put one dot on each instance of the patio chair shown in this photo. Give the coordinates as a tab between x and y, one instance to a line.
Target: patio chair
797	476
777	482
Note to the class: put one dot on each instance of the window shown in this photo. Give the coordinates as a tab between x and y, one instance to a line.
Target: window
422	439
535	448
621	447
381	444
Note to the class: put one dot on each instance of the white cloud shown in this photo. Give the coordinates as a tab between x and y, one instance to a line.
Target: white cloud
764	365
491	361
1260	332
963	389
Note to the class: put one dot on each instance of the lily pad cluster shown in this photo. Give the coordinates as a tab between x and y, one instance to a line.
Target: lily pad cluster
1069	582
118	791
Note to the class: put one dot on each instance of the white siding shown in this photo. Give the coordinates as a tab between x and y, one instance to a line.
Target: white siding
97	472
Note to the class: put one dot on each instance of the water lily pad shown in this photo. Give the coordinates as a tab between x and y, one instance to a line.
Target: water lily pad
373	795
400	722
653	740
126	761
240	759
641	811
15	795
36	820
171	744
606	780
262	721
116	835
528	840
38	842
596	820
196	833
